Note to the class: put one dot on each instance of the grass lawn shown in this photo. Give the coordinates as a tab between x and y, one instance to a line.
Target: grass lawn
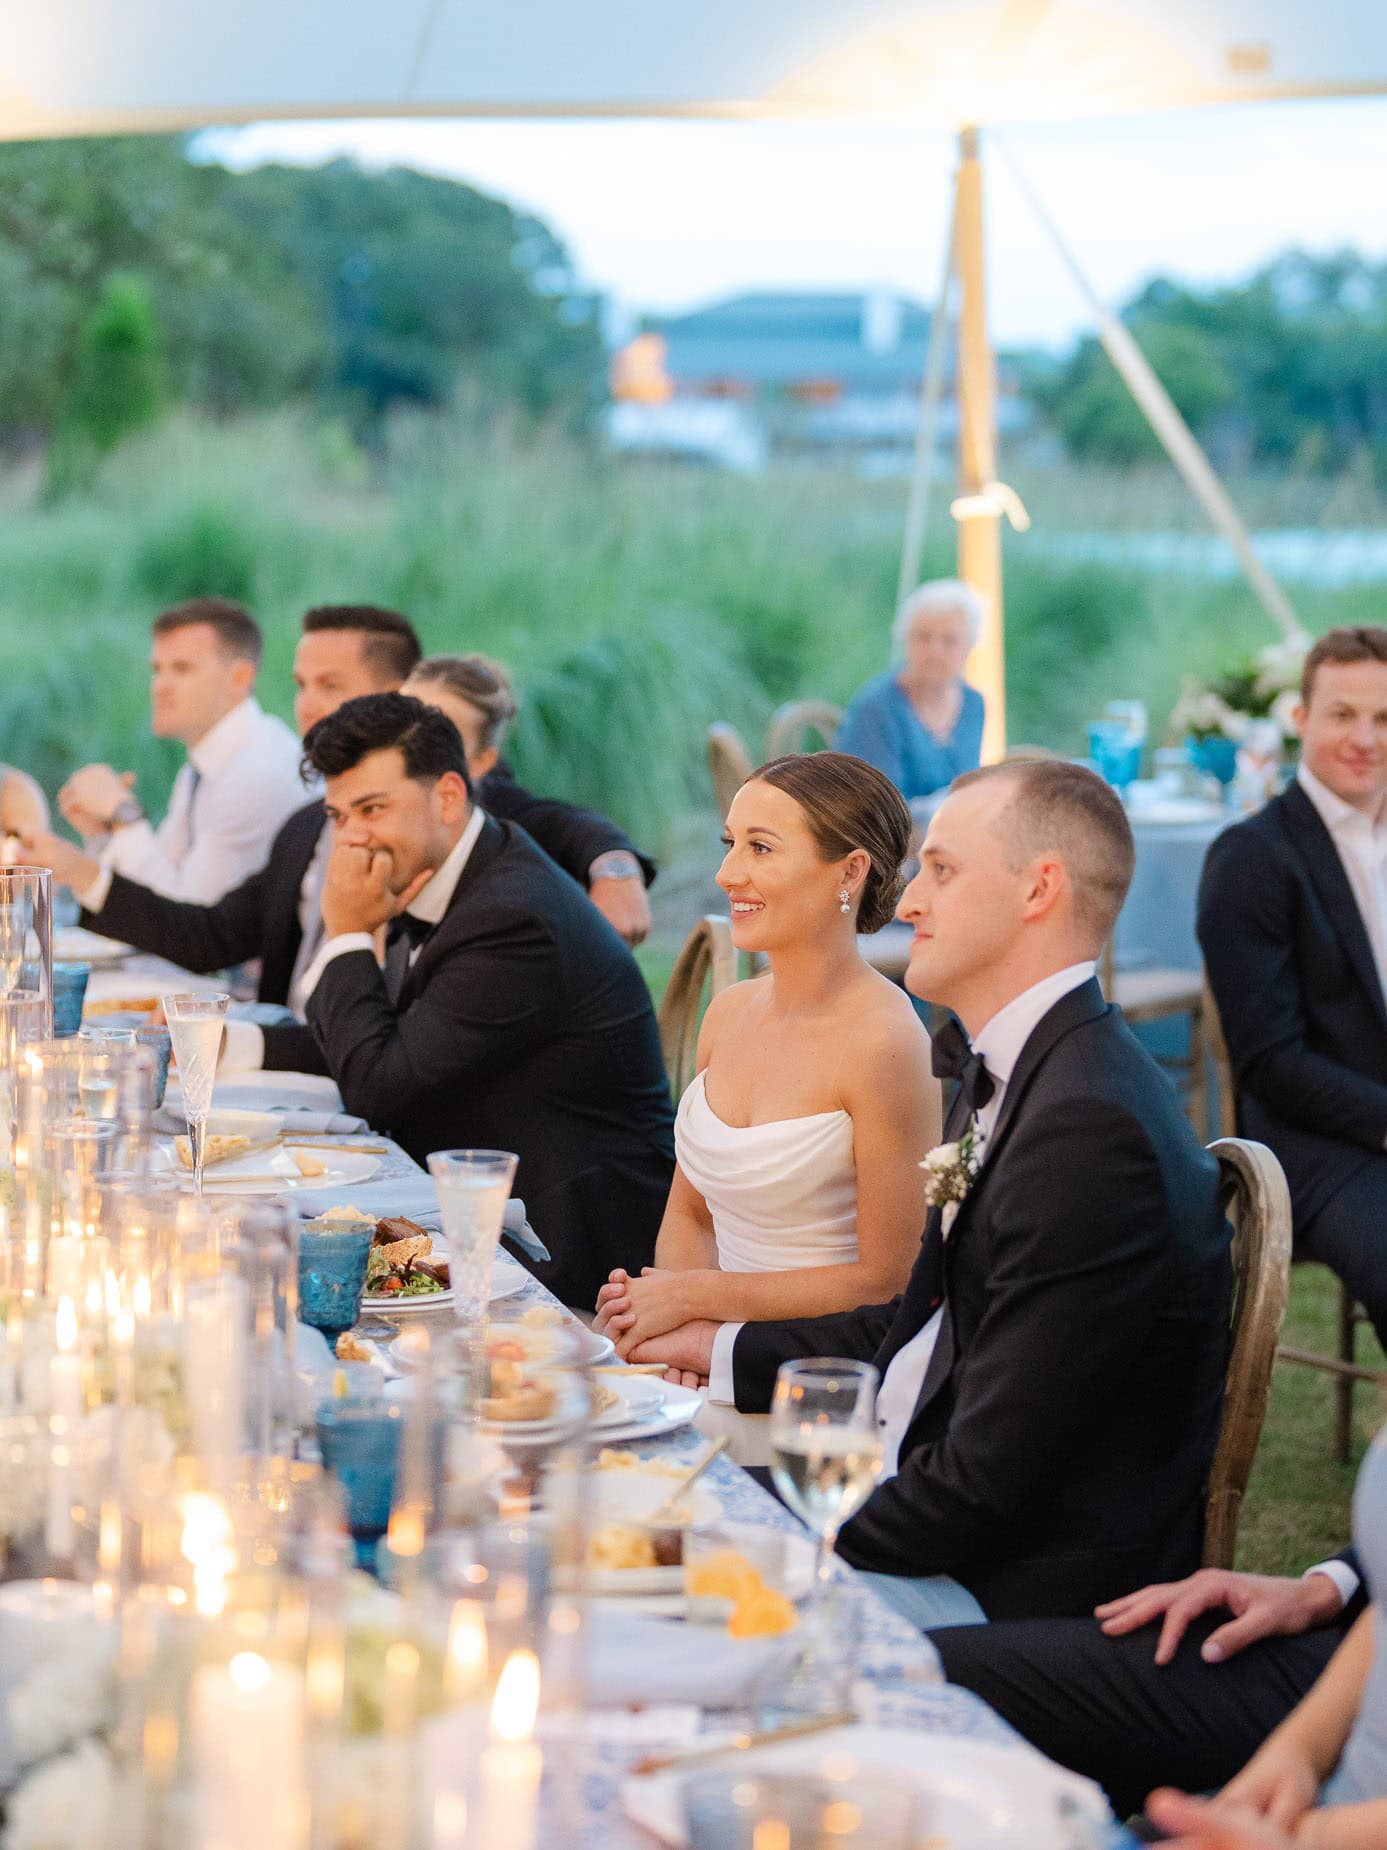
1297	1508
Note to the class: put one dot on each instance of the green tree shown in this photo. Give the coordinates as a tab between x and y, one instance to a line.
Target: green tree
117	385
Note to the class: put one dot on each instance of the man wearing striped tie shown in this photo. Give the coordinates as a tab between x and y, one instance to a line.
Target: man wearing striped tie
240	781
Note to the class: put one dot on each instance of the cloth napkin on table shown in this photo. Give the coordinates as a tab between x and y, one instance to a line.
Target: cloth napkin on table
297	1119
414	1197
633	1659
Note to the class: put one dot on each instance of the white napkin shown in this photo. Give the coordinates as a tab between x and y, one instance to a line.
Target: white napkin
632	1659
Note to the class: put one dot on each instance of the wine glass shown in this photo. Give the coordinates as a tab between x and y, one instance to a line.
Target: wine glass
195	1031
473	1187
825	1447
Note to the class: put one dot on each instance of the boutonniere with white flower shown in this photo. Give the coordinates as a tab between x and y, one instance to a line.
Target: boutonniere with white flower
949	1171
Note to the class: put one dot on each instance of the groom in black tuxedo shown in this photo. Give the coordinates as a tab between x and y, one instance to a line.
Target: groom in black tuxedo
1052	1376
508	1014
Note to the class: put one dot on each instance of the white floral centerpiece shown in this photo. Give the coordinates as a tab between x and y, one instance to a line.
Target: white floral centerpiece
1230	705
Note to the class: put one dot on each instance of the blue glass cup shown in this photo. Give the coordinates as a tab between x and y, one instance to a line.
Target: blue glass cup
332	1276
359	1438
1115	753
69	993
160	1044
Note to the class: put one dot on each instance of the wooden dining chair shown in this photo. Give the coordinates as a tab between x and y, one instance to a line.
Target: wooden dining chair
730	763
1253	1191
706	958
1145	996
788	725
1344	1365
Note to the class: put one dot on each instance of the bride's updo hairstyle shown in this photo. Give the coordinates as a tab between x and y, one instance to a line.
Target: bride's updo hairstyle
849	804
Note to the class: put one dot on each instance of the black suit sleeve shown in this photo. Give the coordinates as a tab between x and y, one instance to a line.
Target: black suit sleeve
568	834
760	1348
290	1047
1077	1268
201	938
485	1001
1246	932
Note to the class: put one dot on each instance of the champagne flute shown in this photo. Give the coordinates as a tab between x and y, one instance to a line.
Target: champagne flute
473	1187
825	1447
195	1031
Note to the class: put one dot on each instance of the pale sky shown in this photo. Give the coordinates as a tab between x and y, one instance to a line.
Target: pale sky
667	215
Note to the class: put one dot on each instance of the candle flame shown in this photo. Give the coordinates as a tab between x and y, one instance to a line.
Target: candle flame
123	1329
142	1296
112	1284
67	1325
207	1545
517	1698
467	1651
248	1672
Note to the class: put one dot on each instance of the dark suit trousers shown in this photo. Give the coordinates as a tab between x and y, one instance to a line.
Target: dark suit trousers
1103	1707
1349	1235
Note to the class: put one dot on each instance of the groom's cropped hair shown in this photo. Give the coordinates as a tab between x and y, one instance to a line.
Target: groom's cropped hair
1067	810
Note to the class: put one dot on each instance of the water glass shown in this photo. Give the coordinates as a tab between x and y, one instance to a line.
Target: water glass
734	1809
69	993
332	1276
1116	754
196	1024
360	1441
26	934
473	1187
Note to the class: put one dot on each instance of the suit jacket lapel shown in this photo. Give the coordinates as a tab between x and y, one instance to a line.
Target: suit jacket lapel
1311	840
1083	1004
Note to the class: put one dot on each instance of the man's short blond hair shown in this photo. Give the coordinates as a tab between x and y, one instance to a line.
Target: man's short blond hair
1069	811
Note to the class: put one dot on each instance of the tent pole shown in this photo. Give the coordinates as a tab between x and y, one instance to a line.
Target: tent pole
931	389
979	533
1173	433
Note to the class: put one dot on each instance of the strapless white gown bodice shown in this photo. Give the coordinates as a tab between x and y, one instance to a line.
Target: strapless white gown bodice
782	1196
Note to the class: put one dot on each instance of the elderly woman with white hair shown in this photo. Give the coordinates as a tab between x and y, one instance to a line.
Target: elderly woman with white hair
919	722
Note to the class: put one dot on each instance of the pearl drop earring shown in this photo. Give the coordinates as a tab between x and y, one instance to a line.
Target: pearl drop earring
844	900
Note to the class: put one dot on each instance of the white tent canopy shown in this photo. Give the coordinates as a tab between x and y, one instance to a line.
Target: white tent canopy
73	67
81	67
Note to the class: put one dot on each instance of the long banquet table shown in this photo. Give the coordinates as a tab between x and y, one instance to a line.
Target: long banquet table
898	1670
896	1663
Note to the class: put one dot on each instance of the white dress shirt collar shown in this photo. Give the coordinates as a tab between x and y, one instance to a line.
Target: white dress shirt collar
433	900
998	1043
1334	812
221	744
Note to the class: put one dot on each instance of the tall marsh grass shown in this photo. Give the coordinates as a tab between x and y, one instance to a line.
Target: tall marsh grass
634	604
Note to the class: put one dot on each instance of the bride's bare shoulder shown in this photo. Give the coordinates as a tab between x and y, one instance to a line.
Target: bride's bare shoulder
884	1021
725	1010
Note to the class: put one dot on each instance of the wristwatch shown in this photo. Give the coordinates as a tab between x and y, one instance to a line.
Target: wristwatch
127	810
615	864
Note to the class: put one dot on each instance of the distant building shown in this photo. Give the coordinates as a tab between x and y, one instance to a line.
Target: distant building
805	374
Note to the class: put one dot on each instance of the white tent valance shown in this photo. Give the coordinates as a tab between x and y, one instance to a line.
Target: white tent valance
73	67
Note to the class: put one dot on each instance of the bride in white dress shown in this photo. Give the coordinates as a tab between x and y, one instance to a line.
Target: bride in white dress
797	1190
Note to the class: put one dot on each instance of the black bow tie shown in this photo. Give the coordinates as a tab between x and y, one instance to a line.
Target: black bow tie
406	925
952	1057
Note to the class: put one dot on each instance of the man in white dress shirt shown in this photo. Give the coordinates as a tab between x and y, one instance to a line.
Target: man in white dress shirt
240	781
1052	1374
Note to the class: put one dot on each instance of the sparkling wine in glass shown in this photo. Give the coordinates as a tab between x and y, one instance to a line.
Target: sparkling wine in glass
473	1187
195	1030
825	1446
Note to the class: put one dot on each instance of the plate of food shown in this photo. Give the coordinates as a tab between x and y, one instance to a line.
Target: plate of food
530	1400
628	1555
242	1163
408	1271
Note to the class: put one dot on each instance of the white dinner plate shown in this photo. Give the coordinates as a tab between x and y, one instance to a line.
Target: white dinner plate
646	1585
637	1398
269	1171
507	1279
674	1407
976	1795
74	944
